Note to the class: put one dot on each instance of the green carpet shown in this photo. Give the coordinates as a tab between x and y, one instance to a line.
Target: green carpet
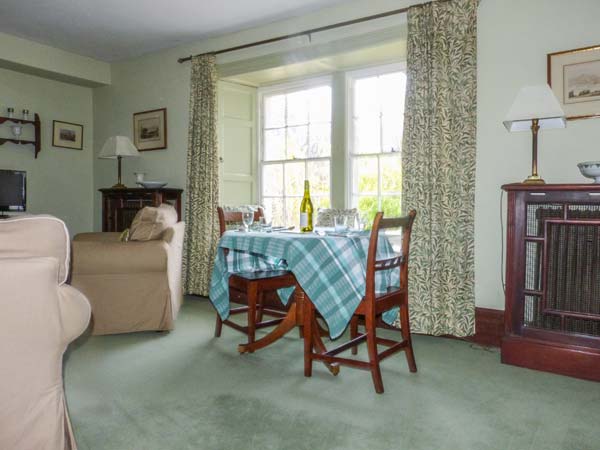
189	390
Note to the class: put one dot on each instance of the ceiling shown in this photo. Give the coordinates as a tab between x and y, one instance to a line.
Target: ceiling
113	30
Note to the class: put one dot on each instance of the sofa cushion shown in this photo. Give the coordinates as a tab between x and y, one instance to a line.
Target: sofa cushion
150	223
26	236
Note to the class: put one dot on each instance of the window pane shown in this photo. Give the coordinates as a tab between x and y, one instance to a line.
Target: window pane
294	178
391	206
366	97
274	113
394	86
367	137
292	211
319	140
297	142
297	108
274	145
274	210
320	104
272	180
392	129
365	175
367	208
319	176
319	202
391	174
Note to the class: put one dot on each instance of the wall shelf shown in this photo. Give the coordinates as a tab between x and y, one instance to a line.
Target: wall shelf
37	144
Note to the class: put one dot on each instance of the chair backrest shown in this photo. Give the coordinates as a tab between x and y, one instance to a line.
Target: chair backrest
398	240
325	216
231	216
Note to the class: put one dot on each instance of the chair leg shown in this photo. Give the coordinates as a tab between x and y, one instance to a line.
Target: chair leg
309	319
405	324
252	298
218	326
354	332
259	307
373	355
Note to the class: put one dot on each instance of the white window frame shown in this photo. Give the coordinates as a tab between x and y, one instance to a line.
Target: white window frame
288	88
350	156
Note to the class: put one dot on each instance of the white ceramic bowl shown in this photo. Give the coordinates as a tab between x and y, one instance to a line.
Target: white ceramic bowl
590	169
153	184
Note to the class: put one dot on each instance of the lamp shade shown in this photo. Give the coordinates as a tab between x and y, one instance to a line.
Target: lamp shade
535	102
118	146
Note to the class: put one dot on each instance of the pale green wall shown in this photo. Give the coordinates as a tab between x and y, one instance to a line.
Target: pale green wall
514	38
59	181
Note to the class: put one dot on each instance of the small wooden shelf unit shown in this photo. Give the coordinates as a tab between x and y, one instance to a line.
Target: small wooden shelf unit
37	143
119	206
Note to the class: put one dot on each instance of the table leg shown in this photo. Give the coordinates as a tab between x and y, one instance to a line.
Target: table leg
293	318
288	323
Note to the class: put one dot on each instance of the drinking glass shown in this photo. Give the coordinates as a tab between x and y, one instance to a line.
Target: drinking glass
340	224
248	219
265	224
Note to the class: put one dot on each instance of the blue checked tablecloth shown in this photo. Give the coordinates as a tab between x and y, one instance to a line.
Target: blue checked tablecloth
330	269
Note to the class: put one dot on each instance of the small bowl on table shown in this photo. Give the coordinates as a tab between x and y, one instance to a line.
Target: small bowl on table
590	169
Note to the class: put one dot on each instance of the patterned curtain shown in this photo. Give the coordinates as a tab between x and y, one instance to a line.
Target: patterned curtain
438	164
202	230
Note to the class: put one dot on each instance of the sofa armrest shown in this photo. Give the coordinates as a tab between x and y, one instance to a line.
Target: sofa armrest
94	258
75	312
97	237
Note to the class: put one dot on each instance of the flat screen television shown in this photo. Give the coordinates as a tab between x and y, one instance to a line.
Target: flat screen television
13	190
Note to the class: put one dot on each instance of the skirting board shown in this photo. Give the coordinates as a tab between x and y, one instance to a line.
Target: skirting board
489	327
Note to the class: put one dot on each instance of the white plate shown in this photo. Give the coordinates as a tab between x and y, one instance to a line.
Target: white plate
153	184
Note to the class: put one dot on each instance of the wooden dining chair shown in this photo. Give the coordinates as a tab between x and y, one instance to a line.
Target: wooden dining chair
372	307
256	291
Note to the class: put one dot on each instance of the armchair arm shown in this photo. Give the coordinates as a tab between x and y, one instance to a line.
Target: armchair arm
94	258
75	312
97	237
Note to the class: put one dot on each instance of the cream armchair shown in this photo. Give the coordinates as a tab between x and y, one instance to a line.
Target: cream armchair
132	286
39	316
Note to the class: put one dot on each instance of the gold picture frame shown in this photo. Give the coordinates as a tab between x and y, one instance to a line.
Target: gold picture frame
150	130
574	76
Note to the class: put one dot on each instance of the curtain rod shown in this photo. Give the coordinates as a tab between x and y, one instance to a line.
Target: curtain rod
306	32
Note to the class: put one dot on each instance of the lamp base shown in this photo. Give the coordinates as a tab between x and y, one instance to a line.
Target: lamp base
119	186
533	179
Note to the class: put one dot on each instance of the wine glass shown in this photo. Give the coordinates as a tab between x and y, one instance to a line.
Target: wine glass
247	219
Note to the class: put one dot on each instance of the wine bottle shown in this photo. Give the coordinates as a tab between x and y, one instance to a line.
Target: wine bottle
306	210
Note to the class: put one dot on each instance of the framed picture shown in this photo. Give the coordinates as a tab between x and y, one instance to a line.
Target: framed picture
67	135
574	76
150	130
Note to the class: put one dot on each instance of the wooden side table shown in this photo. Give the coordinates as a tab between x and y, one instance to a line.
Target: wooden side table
119	206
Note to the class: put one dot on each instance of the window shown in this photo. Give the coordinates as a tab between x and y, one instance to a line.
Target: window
376	119
295	145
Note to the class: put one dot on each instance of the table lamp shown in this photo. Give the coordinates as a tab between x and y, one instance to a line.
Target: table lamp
535	108
118	147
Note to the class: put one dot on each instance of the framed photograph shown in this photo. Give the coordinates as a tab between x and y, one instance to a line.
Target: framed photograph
574	76
67	135
150	130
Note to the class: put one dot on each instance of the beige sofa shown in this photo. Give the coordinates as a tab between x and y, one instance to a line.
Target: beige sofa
132	286
39	316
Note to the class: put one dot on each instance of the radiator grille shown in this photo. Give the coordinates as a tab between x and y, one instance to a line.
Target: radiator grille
571	303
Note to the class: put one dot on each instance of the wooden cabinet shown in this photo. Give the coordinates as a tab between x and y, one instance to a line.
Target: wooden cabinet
119	206
552	315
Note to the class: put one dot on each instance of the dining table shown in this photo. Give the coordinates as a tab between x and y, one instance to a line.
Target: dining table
329	267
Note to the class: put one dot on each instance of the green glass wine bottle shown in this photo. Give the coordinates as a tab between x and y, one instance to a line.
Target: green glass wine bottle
306	210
